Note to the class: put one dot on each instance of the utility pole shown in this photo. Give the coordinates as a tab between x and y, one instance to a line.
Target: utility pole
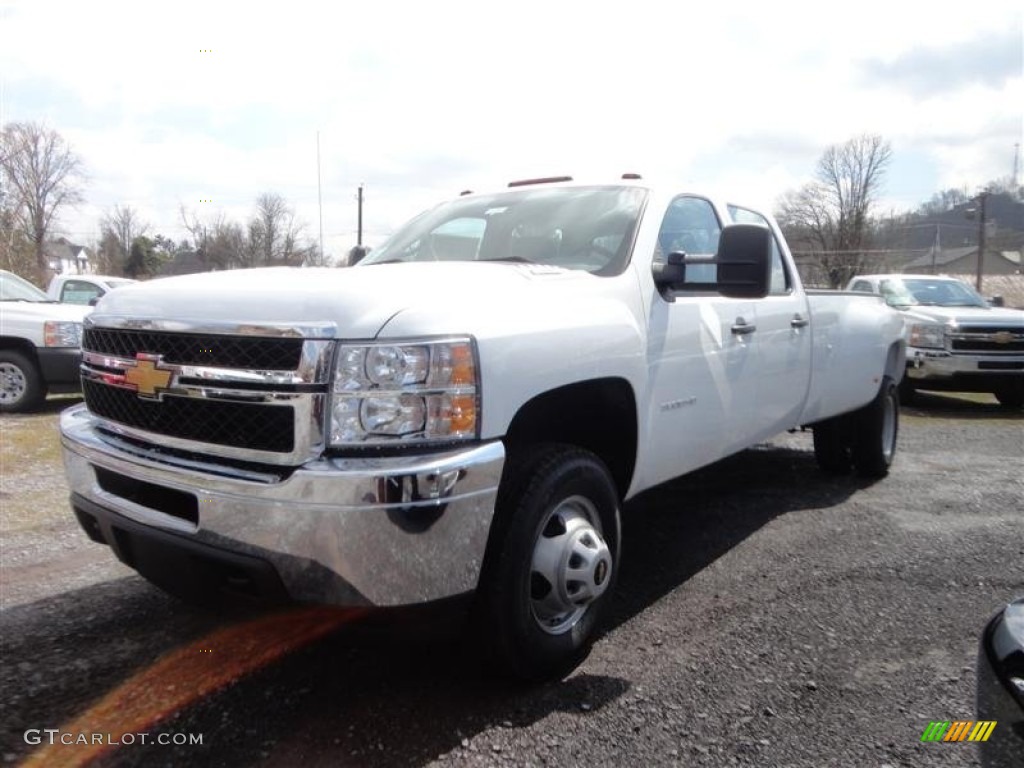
359	230
319	197
981	239
1016	165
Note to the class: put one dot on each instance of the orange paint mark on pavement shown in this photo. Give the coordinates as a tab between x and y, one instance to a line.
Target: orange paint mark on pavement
184	676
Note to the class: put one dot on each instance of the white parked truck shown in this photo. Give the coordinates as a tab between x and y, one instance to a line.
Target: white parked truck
83	289
956	341
39	345
465	410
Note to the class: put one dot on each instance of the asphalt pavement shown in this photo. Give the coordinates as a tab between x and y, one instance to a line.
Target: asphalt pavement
766	614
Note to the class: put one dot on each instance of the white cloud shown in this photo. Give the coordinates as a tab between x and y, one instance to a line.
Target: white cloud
422	100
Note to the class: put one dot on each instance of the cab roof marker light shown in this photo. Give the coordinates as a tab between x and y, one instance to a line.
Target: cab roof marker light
543	180
632	176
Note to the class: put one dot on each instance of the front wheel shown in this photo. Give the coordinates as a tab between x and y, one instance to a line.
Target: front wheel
21	386
552	562
1011	396
876	428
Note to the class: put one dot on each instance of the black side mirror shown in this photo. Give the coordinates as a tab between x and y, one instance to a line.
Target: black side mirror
744	262
671	271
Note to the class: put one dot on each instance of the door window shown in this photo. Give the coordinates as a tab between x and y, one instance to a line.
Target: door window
690	226
79	292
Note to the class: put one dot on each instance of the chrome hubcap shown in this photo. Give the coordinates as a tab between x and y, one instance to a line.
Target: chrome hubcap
12	383
571	566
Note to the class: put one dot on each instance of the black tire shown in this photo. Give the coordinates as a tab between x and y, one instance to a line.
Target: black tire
876	429
21	386
833	447
552	562
1011	396
908	392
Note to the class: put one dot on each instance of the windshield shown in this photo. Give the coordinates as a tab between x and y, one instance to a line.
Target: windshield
14	288
917	291
587	228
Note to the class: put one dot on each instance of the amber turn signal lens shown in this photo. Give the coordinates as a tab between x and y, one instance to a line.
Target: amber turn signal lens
462	365
463	418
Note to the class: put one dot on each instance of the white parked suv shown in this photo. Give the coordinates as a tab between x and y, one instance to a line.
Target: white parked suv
956	341
39	345
465	410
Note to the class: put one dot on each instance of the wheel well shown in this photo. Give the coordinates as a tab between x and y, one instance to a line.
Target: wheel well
896	363
14	344
598	415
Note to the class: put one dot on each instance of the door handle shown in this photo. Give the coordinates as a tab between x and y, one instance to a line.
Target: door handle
741	327
799	321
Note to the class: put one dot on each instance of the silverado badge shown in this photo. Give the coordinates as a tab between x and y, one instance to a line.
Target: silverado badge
147	376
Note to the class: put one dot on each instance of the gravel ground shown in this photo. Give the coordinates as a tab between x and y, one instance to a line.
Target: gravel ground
766	614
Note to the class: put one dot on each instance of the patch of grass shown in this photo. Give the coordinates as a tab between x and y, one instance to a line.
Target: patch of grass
33	492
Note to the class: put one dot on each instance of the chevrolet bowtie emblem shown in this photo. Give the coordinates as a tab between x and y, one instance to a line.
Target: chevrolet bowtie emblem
1003	337
147	377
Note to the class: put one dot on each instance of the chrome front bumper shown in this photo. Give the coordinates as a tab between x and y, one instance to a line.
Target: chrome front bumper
372	531
936	365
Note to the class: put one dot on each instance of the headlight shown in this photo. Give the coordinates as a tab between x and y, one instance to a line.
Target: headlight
927	335
409	390
58	333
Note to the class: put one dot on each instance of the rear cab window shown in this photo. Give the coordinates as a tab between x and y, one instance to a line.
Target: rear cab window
781	282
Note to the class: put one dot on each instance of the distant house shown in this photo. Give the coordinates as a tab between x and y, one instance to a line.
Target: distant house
965	261
65	258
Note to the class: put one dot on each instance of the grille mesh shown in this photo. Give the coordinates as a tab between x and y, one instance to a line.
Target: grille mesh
254	353
971	339
242	425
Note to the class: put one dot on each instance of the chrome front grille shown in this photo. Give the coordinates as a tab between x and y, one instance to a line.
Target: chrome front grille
251	425
987	339
226	351
239	396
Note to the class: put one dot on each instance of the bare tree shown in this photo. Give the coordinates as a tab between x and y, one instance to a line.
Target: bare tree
118	229
944	201
274	229
220	244
16	252
270	237
42	175
831	216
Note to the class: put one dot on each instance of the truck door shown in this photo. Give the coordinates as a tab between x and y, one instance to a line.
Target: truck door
700	357
783	344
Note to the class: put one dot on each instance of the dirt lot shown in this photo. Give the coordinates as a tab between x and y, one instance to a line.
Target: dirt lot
767	614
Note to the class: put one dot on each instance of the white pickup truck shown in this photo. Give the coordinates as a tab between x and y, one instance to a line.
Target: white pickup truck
467	408
83	289
956	341
39	345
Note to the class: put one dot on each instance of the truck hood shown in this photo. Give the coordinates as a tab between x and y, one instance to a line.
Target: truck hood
357	301
967	315
42	311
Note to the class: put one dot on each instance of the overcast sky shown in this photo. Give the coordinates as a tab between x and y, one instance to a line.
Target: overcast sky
169	104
